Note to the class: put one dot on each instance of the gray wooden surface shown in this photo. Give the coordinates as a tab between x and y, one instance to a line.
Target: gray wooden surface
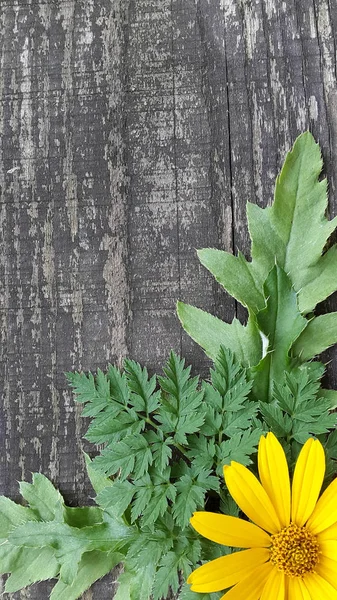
133	132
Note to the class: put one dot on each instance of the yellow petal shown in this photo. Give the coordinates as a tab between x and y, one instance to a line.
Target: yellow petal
274	476
230	531
307	481
297	589
250	496
328	548
327	569
225	571
274	587
319	588
328	534
251	587
325	513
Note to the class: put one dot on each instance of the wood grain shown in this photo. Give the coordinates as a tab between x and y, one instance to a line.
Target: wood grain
133	132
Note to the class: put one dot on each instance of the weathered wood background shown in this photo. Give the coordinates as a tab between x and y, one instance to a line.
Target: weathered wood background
133	132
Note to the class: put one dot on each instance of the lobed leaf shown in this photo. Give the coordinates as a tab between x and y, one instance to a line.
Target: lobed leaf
211	333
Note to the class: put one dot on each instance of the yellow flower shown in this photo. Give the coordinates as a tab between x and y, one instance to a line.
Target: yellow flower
291	543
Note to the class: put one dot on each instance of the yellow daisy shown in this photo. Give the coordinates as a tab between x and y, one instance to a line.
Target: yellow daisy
291	540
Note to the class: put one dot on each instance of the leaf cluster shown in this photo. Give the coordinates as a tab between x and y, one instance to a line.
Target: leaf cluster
290	272
46	539
166	440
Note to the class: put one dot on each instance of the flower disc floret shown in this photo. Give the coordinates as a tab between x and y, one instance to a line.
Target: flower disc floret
295	551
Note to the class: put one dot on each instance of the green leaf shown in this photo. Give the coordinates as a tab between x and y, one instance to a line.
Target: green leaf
211	333
149	547
71	543
118	385
98	481
239	447
29	566
131	455
294	230
143	396
281	322
322	284
43	498
92	566
187	594
136	585
201	451
191	495
280	424
320	333
118	496
160	448
87	389
125	584
298	212
181	411
167	576
12	515
236	275
152	493
267	246
110	428
330	395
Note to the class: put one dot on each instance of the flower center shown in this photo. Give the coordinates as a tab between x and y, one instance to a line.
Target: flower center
294	550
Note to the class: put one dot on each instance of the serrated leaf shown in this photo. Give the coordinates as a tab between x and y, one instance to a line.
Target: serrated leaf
148	546
98	481
94	392
118	496
166	576
280	424
131	455
292	233
92	566
201	452
152	494
235	274
322	284
320	333
281	322
112	429
71	543
330	395
83	386
158	504
211	333
143	396
43	498
181	412
187	594
31	565
294	230
191	495
240	419
118	385
298	212
239	447
160	448
136	585
12	515
143	493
